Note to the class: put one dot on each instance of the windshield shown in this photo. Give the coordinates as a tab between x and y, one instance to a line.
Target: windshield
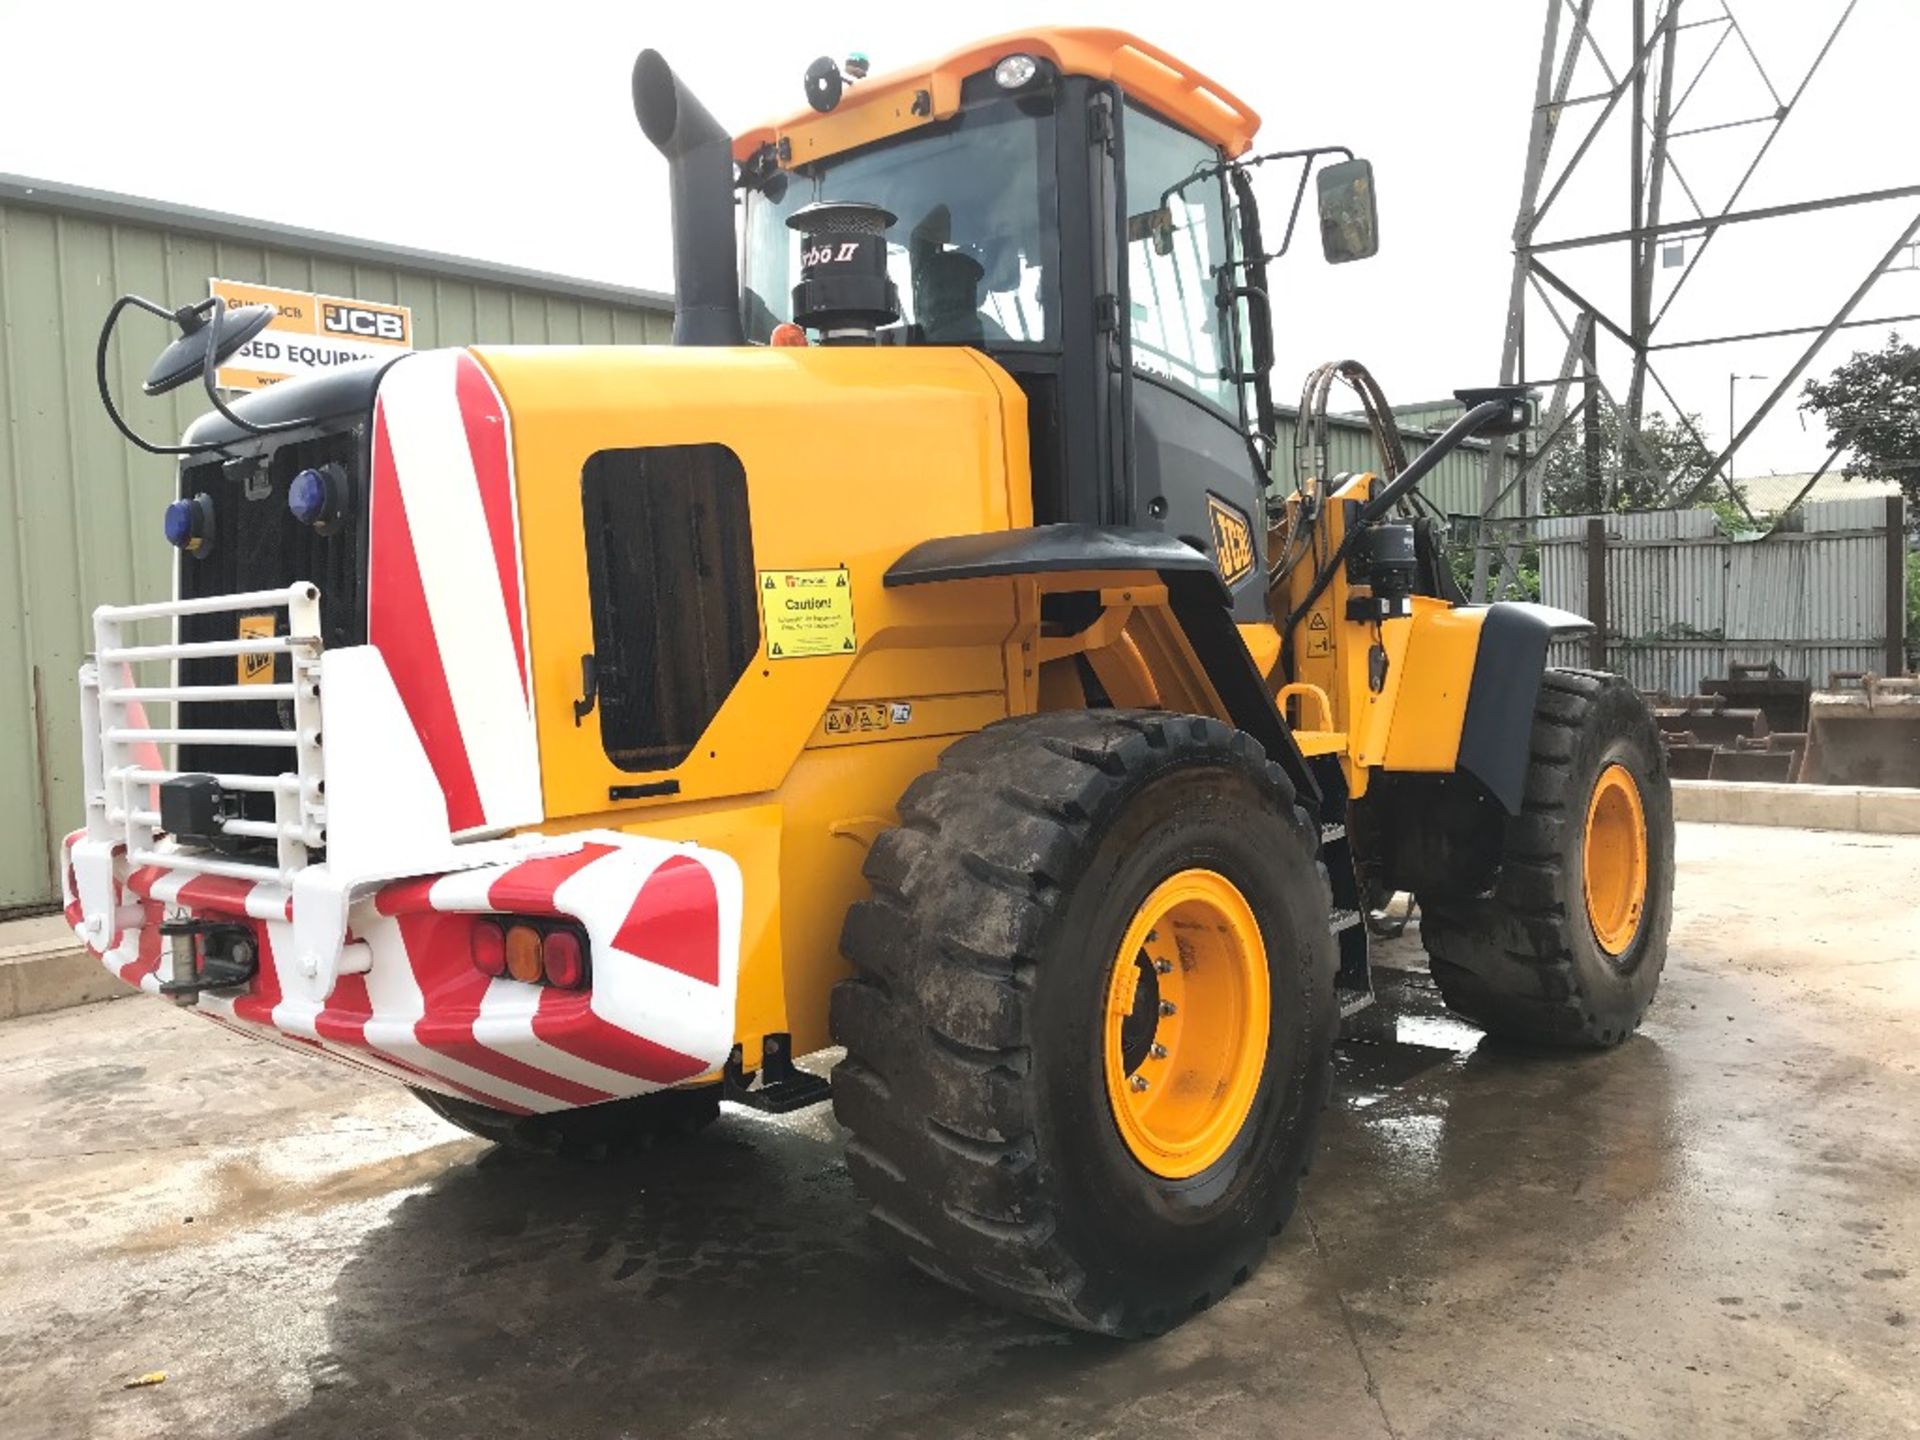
973	251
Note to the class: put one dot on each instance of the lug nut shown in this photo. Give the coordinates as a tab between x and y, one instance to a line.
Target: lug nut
1167	1007
1157	1050
1139	1082
1165	967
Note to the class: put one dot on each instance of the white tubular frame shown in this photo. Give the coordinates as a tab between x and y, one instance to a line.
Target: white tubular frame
120	780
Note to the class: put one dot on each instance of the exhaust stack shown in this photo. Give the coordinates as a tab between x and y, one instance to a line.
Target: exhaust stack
706	274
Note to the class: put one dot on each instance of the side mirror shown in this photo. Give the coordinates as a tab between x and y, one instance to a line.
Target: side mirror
185	359
1349	218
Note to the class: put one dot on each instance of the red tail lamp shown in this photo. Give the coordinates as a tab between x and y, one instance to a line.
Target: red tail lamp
536	953
564	959
489	944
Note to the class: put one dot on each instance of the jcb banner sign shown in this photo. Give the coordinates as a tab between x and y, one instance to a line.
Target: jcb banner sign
309	333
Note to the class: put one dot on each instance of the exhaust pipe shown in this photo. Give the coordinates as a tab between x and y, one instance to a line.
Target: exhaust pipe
706	274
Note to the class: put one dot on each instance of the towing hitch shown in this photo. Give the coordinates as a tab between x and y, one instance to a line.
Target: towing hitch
217	956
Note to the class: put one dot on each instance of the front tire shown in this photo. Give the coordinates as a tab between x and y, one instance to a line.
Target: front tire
1009	998
1568	946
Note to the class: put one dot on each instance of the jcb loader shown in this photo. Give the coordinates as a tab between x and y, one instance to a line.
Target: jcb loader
919	656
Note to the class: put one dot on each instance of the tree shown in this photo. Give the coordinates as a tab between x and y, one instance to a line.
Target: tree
1625	480
1872	405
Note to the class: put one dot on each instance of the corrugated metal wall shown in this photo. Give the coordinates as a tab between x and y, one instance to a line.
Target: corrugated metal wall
1453	486
83	507
1685	602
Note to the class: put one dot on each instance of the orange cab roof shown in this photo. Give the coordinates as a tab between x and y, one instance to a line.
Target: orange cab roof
890	104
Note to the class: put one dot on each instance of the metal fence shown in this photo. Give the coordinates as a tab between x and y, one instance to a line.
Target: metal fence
1677	600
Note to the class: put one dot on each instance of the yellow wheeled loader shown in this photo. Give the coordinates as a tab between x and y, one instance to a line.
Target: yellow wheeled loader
918	656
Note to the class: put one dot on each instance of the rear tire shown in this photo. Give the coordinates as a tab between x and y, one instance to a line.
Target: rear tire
980	1025
594	1132
1528	960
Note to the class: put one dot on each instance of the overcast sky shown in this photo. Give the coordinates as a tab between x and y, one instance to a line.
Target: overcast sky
505	132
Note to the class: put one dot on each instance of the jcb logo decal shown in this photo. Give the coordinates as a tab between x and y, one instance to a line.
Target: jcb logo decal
256	668
1232	541
363	322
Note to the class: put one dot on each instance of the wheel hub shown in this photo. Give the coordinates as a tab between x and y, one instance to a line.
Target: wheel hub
1615	860
1186	1023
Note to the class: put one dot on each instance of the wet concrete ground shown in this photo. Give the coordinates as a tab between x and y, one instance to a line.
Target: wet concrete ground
1714	1230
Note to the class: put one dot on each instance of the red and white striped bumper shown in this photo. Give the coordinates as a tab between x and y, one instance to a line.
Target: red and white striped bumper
663	922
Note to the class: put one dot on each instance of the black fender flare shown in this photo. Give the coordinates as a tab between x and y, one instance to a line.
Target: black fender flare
1497	730
1200	604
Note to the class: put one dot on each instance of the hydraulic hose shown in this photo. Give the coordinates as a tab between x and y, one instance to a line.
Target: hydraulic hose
1417	469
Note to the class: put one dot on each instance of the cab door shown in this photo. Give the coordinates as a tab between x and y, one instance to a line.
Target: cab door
1193	473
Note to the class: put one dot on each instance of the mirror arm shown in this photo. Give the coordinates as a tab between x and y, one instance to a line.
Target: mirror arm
106	394
189	318
1306	157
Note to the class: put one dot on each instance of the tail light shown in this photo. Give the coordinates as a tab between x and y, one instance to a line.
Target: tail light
489	944
523	953
563	958
535	952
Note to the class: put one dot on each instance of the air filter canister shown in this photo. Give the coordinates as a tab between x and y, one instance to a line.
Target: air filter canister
844	292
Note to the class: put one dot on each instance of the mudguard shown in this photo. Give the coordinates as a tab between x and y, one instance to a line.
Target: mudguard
1495	734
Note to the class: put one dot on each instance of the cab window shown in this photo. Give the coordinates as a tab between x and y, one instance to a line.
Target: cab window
971	252
1176	243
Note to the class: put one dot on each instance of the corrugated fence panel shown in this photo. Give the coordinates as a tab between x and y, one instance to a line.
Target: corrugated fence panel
84	506
1685	602
1453	486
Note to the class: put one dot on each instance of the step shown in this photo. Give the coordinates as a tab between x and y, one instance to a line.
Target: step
42	968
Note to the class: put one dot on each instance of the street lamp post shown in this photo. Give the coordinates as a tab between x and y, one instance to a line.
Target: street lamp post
1732	380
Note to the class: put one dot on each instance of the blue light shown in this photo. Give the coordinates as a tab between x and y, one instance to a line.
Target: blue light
307	497
179	524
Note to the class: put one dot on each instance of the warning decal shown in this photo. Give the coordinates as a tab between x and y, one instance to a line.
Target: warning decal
866	717
807	612
1319	639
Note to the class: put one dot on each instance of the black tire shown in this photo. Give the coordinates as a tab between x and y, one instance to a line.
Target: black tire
973	1082
1523	961
593	1132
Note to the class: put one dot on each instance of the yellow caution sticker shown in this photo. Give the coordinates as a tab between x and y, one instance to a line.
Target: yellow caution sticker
256	669
1319	636
807	612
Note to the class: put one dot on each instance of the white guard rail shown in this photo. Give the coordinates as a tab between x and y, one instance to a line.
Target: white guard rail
128	756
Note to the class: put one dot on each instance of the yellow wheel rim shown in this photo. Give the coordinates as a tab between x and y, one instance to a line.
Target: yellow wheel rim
1616	860
1186	1023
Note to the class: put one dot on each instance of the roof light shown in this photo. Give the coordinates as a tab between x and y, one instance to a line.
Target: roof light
1015	71
787	333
